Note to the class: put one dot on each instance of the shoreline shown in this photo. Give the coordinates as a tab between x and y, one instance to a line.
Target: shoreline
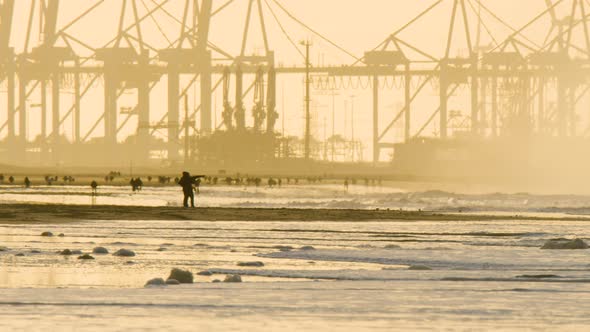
59	213
455	185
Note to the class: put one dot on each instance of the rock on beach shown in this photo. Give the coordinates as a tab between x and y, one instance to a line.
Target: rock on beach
233	278
100	250
183	276
124	253
155	282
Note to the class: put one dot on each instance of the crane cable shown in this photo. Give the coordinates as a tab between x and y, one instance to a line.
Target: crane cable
283	30
315	32
387	83
156	22
517	31
483	24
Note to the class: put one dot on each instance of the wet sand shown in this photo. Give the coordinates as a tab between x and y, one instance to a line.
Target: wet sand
56	213
352	267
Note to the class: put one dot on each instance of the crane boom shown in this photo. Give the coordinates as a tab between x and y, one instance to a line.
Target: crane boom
551	8
6	13
50	27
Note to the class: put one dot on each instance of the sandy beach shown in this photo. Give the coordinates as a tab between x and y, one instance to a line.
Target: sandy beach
307	255
316	270
57	213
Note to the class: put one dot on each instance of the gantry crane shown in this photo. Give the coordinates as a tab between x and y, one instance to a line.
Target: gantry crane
514	75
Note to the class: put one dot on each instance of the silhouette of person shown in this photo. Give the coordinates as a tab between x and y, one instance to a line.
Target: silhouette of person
346	184
27	182
93	185
138	184
186	182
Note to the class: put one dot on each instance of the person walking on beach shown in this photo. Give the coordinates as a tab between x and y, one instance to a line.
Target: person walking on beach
27	182
94	186
138	184
94	193
186	182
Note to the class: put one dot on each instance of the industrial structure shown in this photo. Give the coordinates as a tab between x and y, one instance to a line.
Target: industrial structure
516	88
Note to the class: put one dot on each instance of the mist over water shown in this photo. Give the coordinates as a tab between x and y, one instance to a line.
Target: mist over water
431	157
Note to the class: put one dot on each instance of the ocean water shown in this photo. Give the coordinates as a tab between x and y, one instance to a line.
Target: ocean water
482	275
308	197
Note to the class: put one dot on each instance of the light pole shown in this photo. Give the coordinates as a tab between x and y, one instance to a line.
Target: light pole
334	94
186	133
307	44
352	126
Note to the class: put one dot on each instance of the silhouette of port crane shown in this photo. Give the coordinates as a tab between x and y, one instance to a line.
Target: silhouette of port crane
515	85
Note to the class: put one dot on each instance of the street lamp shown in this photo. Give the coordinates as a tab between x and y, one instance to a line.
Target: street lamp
307	44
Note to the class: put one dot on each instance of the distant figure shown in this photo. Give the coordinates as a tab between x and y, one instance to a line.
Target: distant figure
132	184
229	181
138	184
346	184
186	182
271	182
93	194
27	182
11	179
280	182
